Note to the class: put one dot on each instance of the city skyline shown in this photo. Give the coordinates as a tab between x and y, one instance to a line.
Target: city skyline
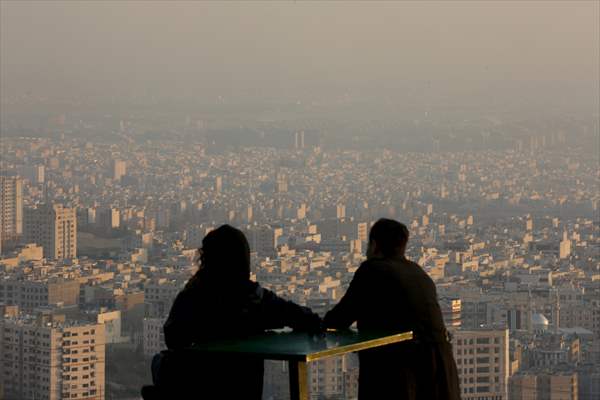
129	131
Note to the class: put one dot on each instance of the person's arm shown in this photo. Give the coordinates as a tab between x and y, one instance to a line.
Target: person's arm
278	313
345	313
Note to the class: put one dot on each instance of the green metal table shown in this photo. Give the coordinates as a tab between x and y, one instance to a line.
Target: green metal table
299	348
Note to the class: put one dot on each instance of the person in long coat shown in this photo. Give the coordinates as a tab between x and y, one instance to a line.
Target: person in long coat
221	302
390	293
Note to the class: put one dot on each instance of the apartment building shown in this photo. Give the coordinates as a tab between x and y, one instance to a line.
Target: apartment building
11	211
159	296
451	311
153	336
483	363
29	294
51	360
53	227
326	377
544	386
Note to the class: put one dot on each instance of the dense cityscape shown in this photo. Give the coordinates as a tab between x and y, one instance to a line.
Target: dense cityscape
100	231
443	157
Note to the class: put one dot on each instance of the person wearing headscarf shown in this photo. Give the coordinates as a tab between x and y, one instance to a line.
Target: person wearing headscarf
221	302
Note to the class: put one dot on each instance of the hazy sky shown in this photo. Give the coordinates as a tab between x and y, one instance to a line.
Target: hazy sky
175	48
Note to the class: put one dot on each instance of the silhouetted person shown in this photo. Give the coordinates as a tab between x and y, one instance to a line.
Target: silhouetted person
390	293
220	302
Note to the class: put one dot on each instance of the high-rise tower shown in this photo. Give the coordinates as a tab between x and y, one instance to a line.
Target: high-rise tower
11	211
54	227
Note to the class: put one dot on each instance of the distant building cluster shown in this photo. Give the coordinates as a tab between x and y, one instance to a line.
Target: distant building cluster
97	239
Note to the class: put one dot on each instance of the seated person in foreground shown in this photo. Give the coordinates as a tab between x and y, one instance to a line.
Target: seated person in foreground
221	302
390	293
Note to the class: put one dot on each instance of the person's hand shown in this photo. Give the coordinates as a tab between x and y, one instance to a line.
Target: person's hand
316	325
311	323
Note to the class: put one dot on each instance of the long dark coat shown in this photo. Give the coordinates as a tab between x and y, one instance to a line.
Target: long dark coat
209	310
396	294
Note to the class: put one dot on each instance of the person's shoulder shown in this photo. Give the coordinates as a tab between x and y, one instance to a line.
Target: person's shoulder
419	273
374	263
186	293
255	288
407	264
257	293
415	266
374	267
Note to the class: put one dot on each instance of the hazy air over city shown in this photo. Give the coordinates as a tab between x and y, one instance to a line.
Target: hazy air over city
130	131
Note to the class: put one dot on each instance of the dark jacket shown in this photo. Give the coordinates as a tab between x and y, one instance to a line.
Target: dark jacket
397	295
208	310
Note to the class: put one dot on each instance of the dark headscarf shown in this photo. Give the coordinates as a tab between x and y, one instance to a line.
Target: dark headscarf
224	256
